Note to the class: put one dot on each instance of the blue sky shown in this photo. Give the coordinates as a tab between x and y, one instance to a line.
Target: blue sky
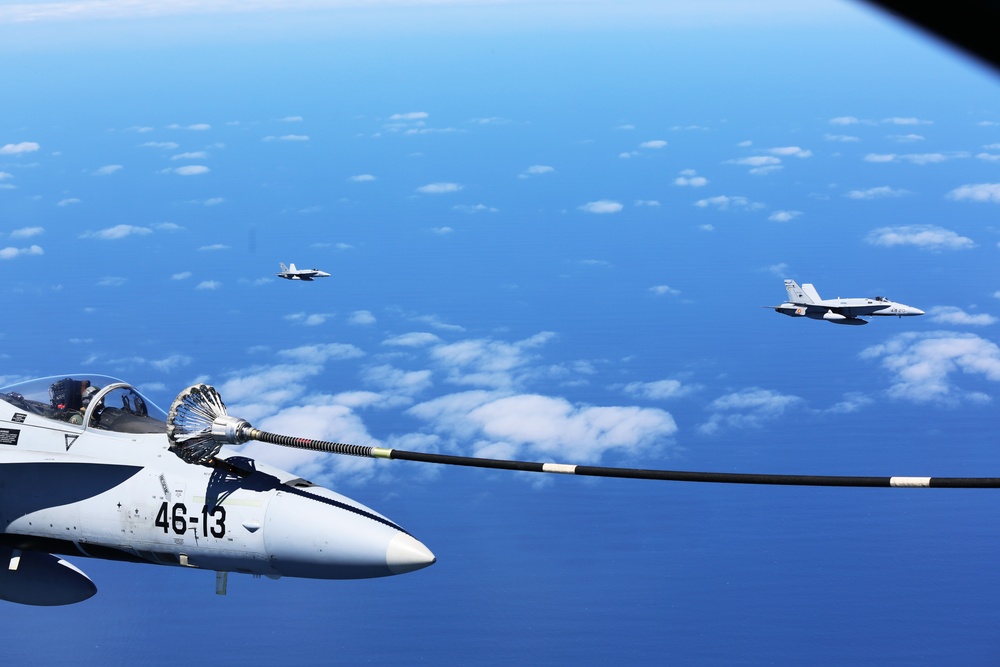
551	228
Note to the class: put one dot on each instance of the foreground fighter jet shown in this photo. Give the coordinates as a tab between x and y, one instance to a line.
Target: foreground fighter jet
86	470
291	273
805	302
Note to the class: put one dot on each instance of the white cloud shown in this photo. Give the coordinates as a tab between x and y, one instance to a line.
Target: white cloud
117	232
171	363
413	339
906	121
442	231
108	169
488	363
435	322
790	151
183	275
841	138
689	178
957	316
922	236
361	317
292	119
476	208
536	426
439	188
647	202
726	202
209	285
780	269
396	381
322	353
190	170
784	216
755	161
361	178
880	192
309	319
654	144
20	148
906	138
601	206
112	281
272	386
165	145
193	155
929	158
68	202
659	390
11	252
661	290
536	170
197	127
287	137
749	408
980	192
213	247
914	158
27	232
845	120
926	367
412	115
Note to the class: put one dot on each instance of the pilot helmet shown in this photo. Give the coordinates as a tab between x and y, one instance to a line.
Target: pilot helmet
88	394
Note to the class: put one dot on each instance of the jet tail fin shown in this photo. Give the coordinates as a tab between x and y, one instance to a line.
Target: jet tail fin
292	267
284	269
797	294
811	292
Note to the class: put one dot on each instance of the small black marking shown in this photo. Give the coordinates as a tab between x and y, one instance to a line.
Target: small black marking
19	417
9	436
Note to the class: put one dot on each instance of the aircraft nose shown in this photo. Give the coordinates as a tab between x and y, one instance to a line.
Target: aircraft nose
318	534
406	554
916	311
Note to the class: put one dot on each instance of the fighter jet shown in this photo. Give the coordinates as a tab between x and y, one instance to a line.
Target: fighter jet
805	302
85	471
291	273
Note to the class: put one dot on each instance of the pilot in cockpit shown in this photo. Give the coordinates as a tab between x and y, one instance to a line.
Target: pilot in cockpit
71	397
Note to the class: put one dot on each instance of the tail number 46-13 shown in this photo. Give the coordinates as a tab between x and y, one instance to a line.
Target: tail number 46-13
213	521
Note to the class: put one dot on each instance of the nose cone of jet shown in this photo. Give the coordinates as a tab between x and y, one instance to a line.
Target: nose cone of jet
315	533
405	554
915	311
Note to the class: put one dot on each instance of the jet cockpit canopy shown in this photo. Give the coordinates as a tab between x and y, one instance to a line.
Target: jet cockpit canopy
93	401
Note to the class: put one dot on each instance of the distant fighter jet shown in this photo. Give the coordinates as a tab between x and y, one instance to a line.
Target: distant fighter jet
805	302
300	274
